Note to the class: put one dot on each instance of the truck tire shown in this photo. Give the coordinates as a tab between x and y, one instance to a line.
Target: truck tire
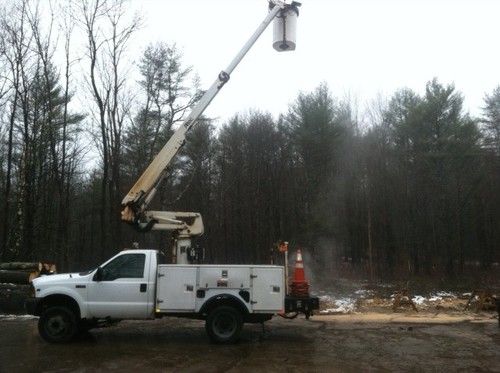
224	324
57	324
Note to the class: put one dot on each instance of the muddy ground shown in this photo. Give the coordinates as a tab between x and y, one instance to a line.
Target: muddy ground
373	341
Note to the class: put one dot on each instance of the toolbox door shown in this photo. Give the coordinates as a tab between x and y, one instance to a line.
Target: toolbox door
176	288
268	292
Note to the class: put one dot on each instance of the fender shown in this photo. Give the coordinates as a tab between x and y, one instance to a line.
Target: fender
62	290
224	299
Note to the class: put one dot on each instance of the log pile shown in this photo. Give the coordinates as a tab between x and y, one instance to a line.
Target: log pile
15	283
24	272
22	266
17	277
21	273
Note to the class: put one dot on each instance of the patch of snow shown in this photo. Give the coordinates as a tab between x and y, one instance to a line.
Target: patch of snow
385	285
325	298
445	294
343	305
8	317
418	299
435	298
363	292
466	294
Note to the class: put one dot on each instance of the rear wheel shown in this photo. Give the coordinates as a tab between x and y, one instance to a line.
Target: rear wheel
224	324
57	324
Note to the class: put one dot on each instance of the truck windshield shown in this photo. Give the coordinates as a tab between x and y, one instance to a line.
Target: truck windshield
84	273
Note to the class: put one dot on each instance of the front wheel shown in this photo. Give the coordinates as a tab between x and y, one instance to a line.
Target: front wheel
224	324
57	324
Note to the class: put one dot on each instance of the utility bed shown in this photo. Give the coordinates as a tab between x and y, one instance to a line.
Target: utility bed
186	288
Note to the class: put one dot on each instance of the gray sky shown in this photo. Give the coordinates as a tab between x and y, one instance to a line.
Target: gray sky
359	47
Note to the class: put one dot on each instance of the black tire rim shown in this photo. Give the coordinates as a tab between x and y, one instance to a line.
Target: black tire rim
57	325
224	325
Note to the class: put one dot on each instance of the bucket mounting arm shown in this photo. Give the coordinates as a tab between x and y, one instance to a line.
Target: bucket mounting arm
136	202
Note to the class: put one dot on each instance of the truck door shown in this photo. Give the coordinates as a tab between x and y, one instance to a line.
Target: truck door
123	289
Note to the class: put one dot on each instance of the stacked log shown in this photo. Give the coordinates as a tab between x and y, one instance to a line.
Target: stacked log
17	277
22	266
19	272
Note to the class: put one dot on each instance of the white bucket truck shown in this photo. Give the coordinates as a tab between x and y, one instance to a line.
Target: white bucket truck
135	284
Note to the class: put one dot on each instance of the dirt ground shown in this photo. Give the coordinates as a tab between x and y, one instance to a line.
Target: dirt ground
405	341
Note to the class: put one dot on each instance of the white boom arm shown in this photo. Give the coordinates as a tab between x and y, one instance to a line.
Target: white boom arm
136	202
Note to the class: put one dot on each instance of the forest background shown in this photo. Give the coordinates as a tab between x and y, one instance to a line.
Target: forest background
407	186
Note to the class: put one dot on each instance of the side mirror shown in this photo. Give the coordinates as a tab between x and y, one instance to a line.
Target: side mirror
98	275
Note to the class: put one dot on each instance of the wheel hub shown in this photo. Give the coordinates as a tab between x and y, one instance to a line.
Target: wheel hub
56	325
224	325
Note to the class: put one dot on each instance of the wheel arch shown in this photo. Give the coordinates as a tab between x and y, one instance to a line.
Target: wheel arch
58	300
223	300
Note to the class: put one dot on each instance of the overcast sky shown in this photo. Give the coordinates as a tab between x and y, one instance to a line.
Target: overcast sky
359	47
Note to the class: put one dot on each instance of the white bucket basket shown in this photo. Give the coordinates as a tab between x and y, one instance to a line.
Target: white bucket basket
285	29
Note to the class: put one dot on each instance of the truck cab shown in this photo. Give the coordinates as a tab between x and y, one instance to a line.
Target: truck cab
122	287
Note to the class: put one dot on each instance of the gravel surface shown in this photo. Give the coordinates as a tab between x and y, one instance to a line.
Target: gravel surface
344	343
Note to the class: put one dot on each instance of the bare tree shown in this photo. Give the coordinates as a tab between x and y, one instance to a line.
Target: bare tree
108	33
15	48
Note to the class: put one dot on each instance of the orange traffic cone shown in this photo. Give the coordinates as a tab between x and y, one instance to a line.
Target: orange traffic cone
299	286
